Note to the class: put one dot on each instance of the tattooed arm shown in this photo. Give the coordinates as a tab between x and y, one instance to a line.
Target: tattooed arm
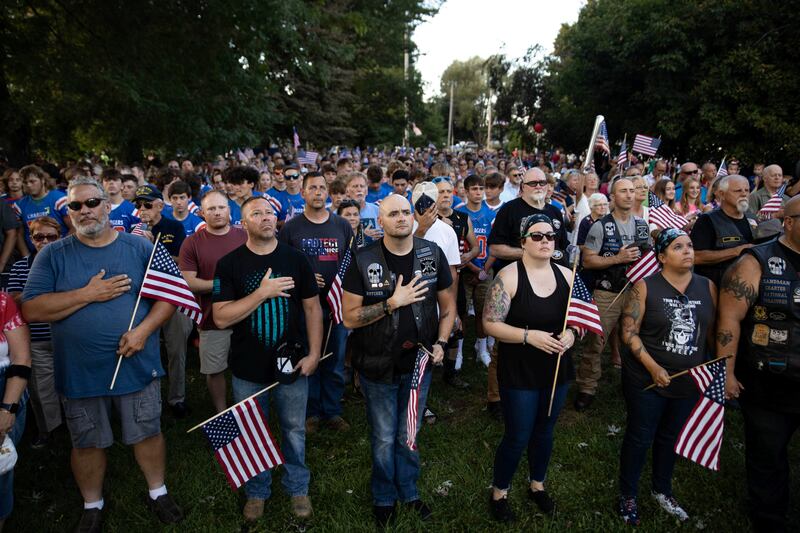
357	315
738	292
631	321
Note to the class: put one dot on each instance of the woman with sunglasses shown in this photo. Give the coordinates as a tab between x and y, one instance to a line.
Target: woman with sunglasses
525	312
44	398
667	325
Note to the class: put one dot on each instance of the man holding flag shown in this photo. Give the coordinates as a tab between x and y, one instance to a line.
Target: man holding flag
86	286
326	239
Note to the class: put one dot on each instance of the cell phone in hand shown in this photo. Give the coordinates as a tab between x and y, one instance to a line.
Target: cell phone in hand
423	204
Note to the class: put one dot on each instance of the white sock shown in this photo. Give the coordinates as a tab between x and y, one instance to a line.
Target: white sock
490	343
94	505
481	345
160	491
460	346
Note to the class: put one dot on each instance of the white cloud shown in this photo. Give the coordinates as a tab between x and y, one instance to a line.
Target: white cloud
466	28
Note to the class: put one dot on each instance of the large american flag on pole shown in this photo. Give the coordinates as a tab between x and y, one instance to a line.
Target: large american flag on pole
242	442
646	145
601	143
774	204
582	312
163	281
662	215
643	267
335	292
412	411
701	436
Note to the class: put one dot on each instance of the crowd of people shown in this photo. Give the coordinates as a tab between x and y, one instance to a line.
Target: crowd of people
413	242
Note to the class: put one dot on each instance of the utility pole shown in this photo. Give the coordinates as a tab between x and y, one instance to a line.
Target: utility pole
405	88
450	119
489	118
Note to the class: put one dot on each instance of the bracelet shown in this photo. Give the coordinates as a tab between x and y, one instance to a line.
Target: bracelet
18	371
525	336
386	309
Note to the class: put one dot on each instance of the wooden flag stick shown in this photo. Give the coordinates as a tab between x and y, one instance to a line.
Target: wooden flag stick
262	391
135	308
563	330
684	372
617	297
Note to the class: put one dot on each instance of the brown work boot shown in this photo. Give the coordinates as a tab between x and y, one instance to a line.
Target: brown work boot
301	506
337	423
312	424
253	509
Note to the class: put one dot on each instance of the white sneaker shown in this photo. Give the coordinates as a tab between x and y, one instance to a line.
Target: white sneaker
471	309
485	358
671	506
459	362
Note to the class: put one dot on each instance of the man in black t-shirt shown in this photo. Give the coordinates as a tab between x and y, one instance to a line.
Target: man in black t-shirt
391	294
268	292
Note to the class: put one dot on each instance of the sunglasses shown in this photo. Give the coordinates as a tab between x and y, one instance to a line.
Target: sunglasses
695	171
535	183
291	176
537	236
140	204
440	179
91	203
39	237
515	174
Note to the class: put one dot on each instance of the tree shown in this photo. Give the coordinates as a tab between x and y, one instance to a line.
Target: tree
470	97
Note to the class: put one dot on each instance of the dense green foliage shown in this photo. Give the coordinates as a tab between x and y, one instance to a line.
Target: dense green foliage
207	75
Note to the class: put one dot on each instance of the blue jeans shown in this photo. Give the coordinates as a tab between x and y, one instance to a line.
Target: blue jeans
395	467
326	385
527	425
7	479
652	420
290	403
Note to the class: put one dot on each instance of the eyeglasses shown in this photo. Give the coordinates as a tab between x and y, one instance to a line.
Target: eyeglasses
91	203
515	174
535	183
537	236
140	203
695	171
440	179
39	237
291	176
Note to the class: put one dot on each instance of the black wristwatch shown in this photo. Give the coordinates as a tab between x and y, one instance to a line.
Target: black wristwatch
443	344
10	407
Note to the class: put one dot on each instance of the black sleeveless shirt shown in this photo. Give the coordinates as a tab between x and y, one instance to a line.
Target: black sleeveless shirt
674	332
522	366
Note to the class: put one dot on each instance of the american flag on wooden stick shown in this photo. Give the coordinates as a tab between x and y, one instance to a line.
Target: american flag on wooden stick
643	267
701	436
662	215
622	158
336	291
773	205
163	281
308	158
412	411
582	312
646	145
601	143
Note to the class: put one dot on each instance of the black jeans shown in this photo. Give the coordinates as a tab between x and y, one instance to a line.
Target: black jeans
767	434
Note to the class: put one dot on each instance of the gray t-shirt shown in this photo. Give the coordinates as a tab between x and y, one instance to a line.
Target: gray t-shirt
627	232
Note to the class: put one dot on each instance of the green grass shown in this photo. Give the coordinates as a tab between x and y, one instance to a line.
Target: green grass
457	451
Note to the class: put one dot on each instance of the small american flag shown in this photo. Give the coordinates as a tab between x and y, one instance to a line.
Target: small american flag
295	138
646	145
601	143
138	229
242	442
308	158
412	411
335	292
662	215
701	436
163	281
622	158
774	204
723	169
582	312
643	267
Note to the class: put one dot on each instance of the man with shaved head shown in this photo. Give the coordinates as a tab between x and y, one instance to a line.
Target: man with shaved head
759	317
391	293
772	178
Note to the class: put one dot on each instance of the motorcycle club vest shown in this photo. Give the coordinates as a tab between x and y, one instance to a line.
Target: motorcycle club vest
770	339
613	278
372	344
461	227
726	235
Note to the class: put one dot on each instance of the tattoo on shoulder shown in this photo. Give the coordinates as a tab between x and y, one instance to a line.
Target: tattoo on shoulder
737	287
497	302
724	337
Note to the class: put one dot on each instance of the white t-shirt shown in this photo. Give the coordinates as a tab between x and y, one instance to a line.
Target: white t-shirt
510	191
445	236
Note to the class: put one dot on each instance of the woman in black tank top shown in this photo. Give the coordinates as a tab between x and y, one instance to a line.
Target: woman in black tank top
525	312
667	321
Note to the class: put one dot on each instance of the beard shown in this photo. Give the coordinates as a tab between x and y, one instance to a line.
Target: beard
92	229
539	196
742	206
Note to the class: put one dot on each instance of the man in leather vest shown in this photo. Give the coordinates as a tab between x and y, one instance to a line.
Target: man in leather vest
614	242
759	327
391	292
719	236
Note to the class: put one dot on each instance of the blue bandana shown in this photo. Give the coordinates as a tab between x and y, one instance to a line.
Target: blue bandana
665	238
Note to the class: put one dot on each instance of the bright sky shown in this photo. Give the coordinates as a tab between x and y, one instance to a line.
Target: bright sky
466	28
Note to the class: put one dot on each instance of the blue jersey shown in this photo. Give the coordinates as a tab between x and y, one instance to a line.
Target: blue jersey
122	217
375	197
291	205
192	224
482	221
54	204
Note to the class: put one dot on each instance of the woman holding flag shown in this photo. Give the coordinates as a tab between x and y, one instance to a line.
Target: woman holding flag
526	322
666	324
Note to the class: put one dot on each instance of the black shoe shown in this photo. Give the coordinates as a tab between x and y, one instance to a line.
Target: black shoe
500	510
180	410
495	410
542	500
91	521
41	441
423	510
165	508
383	514
583	400
453	380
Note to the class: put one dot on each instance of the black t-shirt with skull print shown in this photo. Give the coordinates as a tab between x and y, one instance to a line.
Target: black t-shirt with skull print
674	332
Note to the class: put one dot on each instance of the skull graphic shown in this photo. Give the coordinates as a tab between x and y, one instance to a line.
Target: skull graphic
776	265
375	273
682	326
609	228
